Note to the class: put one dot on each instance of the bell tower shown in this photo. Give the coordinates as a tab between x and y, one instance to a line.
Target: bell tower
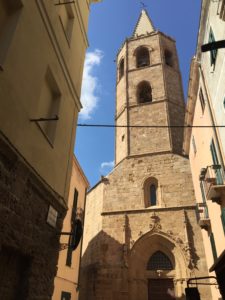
149	93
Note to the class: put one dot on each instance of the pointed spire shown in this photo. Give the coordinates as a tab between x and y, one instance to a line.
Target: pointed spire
144	24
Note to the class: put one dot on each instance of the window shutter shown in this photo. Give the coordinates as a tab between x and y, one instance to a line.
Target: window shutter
213	53
213	246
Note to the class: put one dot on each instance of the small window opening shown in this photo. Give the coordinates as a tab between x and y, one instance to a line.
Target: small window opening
202	100
142	57
121	69
151	192
153	197
213	53
123	136
159	261
168	58
144	92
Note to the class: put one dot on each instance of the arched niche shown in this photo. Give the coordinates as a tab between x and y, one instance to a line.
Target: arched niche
168	56
142	57
121	68
144	92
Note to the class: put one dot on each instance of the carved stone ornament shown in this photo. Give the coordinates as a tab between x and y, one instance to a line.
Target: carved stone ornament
156	226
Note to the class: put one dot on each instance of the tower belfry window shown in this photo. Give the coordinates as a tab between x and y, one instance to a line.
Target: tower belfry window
121	69
168	58
144	92
142	57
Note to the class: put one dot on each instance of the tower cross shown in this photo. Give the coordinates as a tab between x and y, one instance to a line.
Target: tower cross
143	5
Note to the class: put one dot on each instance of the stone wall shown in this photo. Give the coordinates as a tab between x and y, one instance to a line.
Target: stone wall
115	258
28	245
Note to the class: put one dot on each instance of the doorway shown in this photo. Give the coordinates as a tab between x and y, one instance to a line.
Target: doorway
161	289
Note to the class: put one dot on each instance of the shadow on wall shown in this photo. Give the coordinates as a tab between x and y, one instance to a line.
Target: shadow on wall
102	268
195	257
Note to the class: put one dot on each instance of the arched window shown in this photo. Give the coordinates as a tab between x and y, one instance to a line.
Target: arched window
144	92
159	261
168	58
150	192
121	69
153	197
142	57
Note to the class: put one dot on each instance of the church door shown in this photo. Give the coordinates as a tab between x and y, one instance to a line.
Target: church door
161	289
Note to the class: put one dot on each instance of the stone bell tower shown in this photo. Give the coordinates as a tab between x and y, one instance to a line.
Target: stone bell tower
149	92
141	236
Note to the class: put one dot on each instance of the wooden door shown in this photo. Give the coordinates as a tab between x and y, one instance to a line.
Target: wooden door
161	289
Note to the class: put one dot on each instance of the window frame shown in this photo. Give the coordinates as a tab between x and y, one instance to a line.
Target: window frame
140	87
213	53
142	61
202	100
65	295
159	255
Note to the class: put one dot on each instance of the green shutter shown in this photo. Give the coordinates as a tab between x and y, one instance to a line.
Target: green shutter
213	53
219	179
203	192
213	246
223	218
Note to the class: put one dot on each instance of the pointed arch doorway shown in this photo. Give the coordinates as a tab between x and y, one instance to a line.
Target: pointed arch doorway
160	288
156	269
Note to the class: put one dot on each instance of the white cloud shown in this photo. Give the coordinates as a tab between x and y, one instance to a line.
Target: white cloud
107	165
90	85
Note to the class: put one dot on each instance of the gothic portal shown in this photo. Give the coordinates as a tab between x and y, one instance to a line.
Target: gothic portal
141	239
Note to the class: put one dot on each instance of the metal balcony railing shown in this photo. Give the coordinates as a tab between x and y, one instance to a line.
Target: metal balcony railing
213	181
203	216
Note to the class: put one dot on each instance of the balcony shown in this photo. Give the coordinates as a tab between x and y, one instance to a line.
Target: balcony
203	216
213	181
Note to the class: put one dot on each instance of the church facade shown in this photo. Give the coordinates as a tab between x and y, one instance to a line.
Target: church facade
141	237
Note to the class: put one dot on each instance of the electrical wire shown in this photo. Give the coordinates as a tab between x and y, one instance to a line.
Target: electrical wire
149	126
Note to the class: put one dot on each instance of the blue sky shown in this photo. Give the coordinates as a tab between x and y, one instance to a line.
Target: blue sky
111	21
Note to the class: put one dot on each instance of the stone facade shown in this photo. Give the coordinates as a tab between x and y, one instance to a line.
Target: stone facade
29	246
126	223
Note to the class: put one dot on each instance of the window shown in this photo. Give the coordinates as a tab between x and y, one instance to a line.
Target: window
65	296
9	16
159	261
223	218
224	103
213	53
150	191
168	58
144	92
142	57
213	246
153	198
66	16
194	145
222	10
202	100
219	178
202	192
121	69
49	106
73	219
